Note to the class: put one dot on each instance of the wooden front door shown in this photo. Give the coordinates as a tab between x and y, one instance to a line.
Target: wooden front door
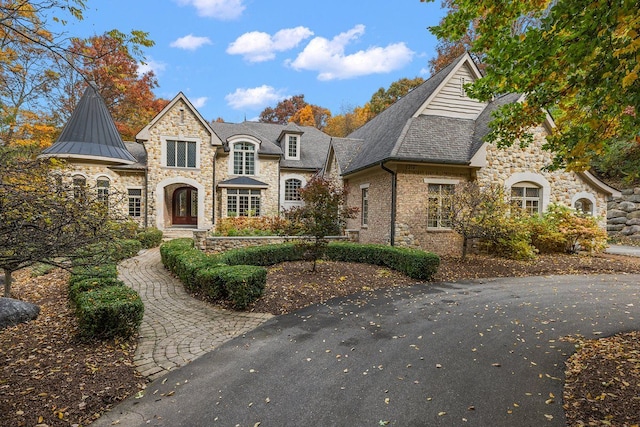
185	206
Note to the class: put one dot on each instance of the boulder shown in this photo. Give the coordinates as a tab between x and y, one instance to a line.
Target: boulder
619	220
627	206
616	213
13	311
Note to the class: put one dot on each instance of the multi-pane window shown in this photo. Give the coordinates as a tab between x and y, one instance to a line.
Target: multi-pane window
102	185
365	206
135	202
439	205
181	154
526	197
292	147
584	206
244	158
243	202
79	186
291	190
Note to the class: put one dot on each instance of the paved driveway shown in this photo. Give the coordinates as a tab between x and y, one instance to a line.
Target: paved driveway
486	353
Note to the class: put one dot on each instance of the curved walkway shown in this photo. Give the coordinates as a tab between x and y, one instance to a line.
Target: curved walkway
176	328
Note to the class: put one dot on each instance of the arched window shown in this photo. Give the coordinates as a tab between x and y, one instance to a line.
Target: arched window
244	158
527	197
291	190
79	186
584	206
102	185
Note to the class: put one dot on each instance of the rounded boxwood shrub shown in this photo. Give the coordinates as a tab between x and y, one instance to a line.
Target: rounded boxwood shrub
149	238
82	272
90	284
112	311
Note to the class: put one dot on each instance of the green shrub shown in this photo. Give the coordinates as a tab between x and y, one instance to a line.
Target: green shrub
243	284
262	255
188	263
208	280
83	272
414	263
86	285
41	269
113	311
125	248
149	238
580	232
171	249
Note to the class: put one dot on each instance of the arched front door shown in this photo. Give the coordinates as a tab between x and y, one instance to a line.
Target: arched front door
185	206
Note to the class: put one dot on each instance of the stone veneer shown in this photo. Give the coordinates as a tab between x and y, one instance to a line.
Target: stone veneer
179	123
217	244
623	216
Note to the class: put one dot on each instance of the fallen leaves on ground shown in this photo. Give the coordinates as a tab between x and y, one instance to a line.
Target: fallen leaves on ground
49	376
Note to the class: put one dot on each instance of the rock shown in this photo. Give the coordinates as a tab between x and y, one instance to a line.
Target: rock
627	206
634	229
619	220
633	215
627	192
615	227
615	213
13	311
633	221
635	198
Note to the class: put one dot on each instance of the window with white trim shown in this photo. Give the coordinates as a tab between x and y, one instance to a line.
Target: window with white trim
102	185
584	206
79	186
365	206
135	202
439	205
181	154
292	149
292	190
244	158
527	197
243	202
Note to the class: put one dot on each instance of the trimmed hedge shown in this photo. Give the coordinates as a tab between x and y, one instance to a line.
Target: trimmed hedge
84	272
112	311
90	284
239	284
149	238
263	255
415	263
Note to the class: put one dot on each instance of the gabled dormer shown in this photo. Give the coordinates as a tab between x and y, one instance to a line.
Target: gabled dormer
450	98
290	140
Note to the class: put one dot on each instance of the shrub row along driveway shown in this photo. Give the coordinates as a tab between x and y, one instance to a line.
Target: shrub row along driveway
474	353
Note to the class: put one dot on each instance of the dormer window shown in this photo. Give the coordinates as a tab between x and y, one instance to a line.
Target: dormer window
244	158
292	147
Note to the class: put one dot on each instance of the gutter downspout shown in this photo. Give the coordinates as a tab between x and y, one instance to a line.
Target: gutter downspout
394	187
146	198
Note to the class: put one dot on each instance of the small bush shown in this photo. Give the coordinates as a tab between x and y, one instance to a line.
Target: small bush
149	238
414	263
113	311
90	284
171	249
581	232
251	226
208	280
243	284
83	272
188	263
262	255
125	248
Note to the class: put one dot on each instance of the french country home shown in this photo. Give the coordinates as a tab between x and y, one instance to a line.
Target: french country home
183	172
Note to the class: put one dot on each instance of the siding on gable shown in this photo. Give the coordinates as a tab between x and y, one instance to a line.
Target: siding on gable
450	103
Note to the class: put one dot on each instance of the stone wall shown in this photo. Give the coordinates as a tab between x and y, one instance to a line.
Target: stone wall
623	215
216	244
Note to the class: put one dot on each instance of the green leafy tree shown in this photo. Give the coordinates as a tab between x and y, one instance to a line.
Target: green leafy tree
43	218
577	58
324	214
383	98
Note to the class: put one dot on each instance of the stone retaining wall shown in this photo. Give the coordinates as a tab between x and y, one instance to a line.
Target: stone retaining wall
623	214
216	244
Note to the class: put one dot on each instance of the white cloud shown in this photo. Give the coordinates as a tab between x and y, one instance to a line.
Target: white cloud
219	9
151	65
257	46
257	97
190	42
199	102
328	57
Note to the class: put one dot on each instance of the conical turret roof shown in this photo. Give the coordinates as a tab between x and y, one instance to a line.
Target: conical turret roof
90	133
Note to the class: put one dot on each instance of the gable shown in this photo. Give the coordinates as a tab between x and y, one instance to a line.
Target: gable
450	99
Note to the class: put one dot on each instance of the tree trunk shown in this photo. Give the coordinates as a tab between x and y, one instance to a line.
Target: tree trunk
465	242
7	283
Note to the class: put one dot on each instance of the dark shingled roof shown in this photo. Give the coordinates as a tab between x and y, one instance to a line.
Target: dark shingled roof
91	133
314	144
242	181
345	150
384	133
138	151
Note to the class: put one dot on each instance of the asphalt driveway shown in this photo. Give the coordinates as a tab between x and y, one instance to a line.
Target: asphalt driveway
484	353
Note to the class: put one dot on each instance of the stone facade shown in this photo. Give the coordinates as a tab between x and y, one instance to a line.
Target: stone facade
511	165
623	216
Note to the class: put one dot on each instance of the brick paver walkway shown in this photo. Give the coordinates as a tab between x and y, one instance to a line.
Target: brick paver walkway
176	328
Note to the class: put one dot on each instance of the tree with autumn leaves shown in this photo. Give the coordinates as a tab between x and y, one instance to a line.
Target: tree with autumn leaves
576	59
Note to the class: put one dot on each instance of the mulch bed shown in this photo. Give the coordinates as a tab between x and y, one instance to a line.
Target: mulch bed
50	377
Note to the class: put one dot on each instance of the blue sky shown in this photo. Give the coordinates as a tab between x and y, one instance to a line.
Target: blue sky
232	58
